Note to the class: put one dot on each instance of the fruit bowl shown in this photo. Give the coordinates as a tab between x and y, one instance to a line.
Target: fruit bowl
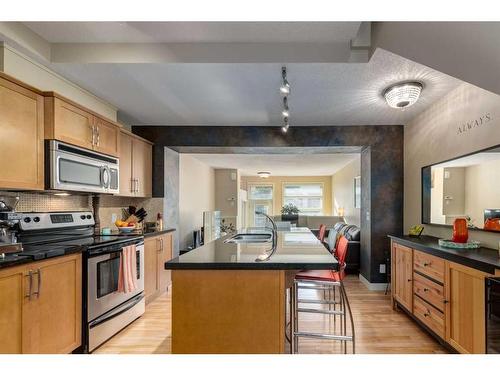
126	229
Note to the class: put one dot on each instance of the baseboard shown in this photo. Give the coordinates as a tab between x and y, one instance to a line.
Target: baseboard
372	286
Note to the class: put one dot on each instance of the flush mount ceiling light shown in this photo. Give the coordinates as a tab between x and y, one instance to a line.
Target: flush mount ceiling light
285	86
403	95
264	174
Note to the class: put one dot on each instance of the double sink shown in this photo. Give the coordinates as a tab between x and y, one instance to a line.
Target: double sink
250	238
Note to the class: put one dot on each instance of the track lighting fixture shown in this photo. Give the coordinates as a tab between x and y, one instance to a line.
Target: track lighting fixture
285	86
285	91
285	112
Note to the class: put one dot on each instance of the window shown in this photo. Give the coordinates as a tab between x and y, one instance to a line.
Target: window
307	197
260	198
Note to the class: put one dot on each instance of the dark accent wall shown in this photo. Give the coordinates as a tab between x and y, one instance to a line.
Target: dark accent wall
381	168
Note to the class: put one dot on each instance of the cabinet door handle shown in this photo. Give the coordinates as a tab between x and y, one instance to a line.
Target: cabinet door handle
136	185
93	134
409	280
98	132
39	272
30	275
161	241
445	301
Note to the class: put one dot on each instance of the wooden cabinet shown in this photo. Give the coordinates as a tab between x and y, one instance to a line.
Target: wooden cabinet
40	312
73	124
21	137
11	310
106	137
447	297
157	250
402	274
136	166
465	310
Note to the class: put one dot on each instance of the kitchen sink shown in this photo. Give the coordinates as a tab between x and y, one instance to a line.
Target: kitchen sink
250	238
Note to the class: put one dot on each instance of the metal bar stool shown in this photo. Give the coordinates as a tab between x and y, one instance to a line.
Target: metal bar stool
329	282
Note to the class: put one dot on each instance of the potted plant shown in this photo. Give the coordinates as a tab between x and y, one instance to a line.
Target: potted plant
290	212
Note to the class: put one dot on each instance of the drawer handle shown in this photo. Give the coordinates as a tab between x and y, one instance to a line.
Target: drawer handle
427	264
426	315
426	289
445	301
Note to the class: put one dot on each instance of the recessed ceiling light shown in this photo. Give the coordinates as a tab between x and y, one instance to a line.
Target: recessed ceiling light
264	174
403	95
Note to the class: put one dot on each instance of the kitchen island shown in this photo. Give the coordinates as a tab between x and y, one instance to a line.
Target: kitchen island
224	300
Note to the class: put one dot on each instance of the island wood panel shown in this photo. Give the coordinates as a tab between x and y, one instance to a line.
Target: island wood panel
21	137
228	311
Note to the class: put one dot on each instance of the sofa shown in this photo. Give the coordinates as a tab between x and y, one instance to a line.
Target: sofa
352	233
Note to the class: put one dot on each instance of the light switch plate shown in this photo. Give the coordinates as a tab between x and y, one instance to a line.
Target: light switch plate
382	268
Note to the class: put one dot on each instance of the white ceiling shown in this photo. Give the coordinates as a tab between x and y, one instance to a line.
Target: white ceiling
199	32
279	165
150	92
247	94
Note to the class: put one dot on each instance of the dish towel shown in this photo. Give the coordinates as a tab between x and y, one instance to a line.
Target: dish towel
127	275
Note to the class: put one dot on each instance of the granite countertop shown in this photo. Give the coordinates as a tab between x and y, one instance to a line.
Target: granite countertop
483	259
141	233
11	260
297	249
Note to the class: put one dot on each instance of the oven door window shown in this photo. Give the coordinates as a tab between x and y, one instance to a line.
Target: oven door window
108	271
75	172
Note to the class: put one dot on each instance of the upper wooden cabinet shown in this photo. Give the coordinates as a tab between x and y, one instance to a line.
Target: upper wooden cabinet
41	306
21	137
70	123
136	158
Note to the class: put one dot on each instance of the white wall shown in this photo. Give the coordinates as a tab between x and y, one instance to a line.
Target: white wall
464	121
343	192
28	71
196	195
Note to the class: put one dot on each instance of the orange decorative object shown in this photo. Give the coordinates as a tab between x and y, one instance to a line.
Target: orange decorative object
460	231
492	224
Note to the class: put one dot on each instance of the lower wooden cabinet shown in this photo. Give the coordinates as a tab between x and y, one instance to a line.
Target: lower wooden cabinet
41	306
465	308
402	274
157	250
447	297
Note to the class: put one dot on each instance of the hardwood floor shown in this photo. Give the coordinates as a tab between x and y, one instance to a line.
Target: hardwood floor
378	328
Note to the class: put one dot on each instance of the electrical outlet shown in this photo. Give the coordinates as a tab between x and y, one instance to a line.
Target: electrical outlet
113	218
382	268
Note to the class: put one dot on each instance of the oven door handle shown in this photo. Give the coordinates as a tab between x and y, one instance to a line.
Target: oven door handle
117	311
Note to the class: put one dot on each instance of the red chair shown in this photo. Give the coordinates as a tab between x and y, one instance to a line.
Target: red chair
322	232
327	281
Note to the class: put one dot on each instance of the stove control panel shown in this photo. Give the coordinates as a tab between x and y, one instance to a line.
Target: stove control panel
49	220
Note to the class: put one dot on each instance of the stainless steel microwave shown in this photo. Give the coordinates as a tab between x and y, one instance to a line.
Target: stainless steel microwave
73	168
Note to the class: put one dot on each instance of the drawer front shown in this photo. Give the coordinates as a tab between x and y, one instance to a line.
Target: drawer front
431	317
429	291
429	265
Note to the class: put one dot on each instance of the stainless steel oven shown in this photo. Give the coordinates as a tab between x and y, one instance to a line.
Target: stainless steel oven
77	169
108	310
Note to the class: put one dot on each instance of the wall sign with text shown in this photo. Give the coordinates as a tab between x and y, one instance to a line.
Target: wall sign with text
474	124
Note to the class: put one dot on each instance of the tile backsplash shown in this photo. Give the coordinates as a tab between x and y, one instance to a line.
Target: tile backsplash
40	202
109	205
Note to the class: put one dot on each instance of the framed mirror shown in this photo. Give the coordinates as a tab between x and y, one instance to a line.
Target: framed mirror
465	187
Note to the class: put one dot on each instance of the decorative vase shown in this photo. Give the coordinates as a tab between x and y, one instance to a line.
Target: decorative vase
460	231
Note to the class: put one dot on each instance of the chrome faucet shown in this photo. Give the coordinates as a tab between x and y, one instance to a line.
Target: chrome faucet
266	256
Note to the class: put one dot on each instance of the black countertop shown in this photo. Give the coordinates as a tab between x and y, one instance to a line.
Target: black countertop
297	249
141	233
12	260
483	259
